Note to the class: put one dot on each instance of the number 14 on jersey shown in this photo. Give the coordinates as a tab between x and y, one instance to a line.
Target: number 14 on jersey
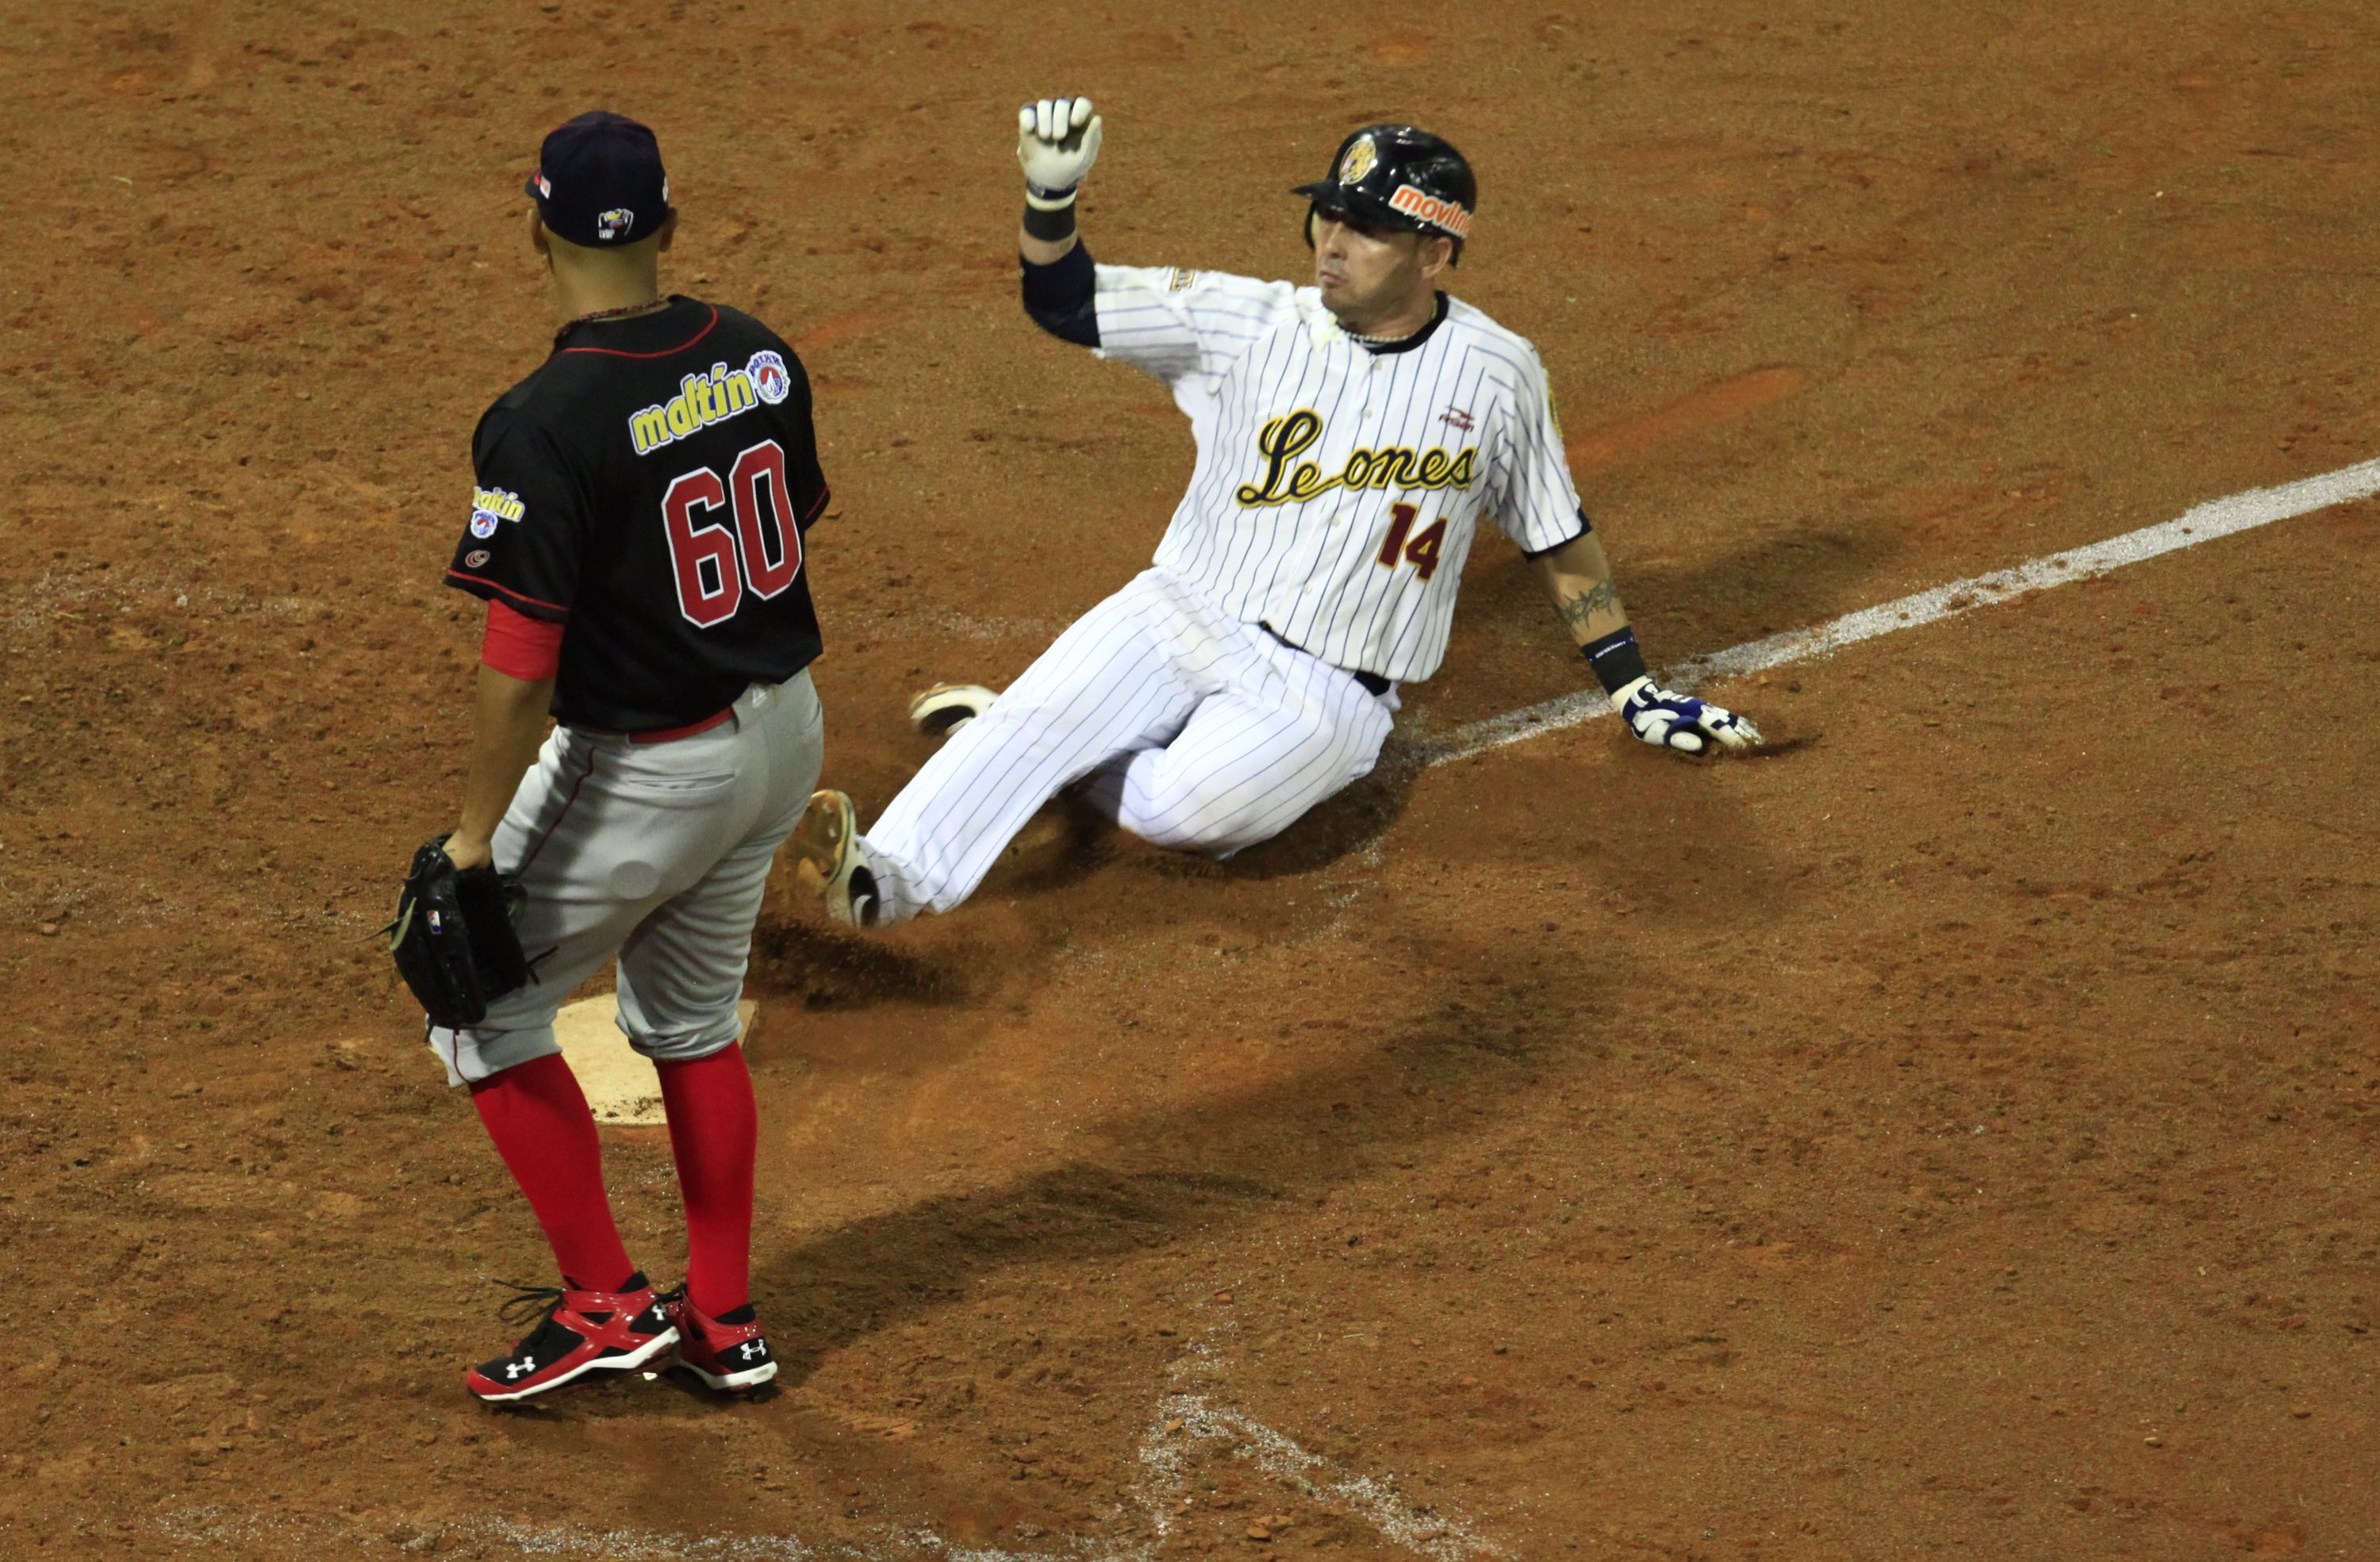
1401	547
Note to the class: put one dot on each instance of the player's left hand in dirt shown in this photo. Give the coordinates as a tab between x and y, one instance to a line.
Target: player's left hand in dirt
1057	142
1680	721
453	939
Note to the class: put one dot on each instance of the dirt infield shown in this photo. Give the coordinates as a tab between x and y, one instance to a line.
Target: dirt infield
1951	1133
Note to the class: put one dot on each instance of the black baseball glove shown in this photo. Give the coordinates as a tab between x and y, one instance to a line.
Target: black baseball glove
454	938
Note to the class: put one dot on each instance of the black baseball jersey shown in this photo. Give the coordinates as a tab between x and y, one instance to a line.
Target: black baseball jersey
649	487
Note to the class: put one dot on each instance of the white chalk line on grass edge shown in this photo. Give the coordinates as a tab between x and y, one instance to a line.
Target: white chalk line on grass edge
2216	518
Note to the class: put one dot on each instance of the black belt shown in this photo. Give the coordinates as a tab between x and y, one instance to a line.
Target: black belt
1374	684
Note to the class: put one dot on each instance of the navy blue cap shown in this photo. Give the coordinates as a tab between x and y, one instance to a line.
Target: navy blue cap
599	182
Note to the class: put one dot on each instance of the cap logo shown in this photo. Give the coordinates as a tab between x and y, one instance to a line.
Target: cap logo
611	224
1422	207
1359	160
544	186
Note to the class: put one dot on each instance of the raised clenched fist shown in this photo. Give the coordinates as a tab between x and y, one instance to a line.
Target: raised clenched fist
1057	141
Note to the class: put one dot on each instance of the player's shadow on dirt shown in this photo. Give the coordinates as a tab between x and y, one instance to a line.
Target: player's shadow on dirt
1278	1143
1510	1016
1778	582
1805	574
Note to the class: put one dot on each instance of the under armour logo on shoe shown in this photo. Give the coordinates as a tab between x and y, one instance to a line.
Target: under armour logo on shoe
753	1349
520	1367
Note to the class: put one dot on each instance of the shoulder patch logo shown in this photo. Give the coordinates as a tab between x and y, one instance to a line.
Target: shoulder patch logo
492	506
1358	161
769	376
610	225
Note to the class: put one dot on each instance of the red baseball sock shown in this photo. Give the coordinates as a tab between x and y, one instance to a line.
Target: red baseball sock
714	1129
539	1119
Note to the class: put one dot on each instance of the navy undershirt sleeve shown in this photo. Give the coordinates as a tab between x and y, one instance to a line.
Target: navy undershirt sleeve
1060	295
1585	525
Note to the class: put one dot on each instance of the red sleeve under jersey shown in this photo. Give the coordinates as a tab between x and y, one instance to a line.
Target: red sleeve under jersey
521	647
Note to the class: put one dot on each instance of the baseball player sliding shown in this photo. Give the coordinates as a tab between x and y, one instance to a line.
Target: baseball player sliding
1350	434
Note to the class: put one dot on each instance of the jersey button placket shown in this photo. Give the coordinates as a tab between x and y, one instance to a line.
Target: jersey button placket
1317	546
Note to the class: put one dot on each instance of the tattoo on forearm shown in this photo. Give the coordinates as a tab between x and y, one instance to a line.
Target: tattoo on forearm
1577	609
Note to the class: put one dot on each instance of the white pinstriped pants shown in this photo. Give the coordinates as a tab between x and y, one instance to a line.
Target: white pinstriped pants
1198	732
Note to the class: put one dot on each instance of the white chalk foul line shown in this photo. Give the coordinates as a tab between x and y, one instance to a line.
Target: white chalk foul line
1189	1415
1184	1418
2219	517
1441	1535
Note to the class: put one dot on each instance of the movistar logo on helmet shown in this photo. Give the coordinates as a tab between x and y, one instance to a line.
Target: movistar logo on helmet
1357	161
1424	207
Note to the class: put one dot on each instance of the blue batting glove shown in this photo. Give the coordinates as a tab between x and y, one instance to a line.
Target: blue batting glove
1679	721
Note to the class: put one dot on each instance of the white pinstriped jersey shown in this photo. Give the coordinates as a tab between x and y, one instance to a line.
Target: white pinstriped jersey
1336	490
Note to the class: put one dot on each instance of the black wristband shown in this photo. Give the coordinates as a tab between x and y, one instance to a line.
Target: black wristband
1050	225
1616	659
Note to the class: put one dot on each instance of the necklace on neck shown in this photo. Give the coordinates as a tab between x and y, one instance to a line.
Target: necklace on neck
1366	340
623	312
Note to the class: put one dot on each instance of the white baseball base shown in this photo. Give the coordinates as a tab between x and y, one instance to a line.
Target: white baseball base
620	1085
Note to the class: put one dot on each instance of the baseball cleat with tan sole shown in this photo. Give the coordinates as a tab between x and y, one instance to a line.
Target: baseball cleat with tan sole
945	708
826	853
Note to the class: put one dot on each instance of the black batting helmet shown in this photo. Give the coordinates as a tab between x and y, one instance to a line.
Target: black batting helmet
1400	176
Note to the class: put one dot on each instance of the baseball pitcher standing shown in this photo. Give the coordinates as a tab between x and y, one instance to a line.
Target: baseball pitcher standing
637	532
1350	435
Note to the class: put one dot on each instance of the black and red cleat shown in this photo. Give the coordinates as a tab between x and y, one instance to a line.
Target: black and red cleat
729	1352
582	1333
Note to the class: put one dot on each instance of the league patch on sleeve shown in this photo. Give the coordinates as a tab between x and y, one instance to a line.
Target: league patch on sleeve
769	376
490	507
1180	280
